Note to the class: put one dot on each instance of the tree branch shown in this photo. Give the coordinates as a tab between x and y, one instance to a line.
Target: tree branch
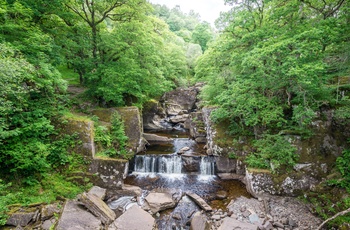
333	217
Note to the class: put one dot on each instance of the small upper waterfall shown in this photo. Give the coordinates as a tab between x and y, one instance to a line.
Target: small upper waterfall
181	157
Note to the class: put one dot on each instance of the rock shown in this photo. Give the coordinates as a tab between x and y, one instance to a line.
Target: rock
47	224
75	217
254	219
191	163
278	225
98	208
220	195
111	172
135	189
199	222
159	201
232	224
84	128
98	191
292	223
216	217
266	226
177	216
225	165
180	99
179	118
156	138
198	200
246	213
230	176
48	211
183	150
21	218
134	219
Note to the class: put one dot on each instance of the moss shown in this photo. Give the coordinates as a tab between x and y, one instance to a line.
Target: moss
257	170
111	159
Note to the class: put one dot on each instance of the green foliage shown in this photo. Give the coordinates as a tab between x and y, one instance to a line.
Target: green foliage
112	140
342	165
273	152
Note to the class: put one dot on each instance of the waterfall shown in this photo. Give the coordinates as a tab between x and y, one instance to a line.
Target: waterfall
168	164
206	166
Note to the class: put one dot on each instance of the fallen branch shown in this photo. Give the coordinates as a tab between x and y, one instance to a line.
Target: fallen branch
333	217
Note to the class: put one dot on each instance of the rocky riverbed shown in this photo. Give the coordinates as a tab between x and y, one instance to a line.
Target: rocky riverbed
134	208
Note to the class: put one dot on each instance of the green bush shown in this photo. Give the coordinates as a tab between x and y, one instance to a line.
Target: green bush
112	140
272	152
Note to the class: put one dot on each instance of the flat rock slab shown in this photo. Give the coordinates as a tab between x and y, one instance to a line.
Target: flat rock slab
156	138
76	217
232	224
159	201
133	219
198	200
98	191
99	208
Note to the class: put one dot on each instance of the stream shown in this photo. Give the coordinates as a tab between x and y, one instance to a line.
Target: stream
162	168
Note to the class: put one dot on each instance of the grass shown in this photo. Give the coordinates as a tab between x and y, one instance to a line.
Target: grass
69	75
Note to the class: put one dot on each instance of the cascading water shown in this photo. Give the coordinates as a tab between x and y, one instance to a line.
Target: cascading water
168	161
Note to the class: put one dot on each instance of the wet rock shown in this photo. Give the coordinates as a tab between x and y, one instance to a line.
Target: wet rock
199	222
191	163
225	165
98	191
98	208
183	150
159	201
179	118
199	201
177	216
156	138
134	218
74	217
232	224
135	189
220	195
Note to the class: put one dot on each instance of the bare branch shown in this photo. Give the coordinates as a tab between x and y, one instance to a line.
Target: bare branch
333	217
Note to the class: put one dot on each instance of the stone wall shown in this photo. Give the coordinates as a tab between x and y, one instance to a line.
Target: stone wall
110	173
132	122
84	129
317	156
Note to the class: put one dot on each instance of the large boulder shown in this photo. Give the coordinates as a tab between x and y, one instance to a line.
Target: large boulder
76	217
22	217
159	201
199	222
191	163
179	100
134	219
110	173
99	208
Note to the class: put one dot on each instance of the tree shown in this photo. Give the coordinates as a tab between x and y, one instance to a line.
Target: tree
95	13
